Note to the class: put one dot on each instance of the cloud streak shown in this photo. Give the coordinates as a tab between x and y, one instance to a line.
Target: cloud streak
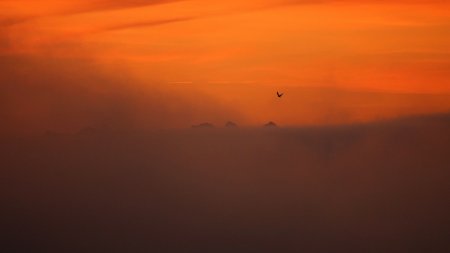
141	24
74	8
105	5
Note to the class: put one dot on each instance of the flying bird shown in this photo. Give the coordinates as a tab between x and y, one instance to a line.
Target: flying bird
279	94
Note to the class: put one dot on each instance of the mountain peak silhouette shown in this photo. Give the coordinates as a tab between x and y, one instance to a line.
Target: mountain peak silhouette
230	124
270	124
204	125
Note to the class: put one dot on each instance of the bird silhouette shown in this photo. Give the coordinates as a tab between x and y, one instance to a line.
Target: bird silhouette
279	94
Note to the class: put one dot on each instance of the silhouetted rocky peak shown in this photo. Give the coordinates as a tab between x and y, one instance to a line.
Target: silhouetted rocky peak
204	125
270	124
230	124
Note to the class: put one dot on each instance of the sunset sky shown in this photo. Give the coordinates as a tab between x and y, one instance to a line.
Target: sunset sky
68	64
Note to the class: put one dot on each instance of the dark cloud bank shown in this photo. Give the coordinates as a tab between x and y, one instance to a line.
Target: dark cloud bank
379	187
122	185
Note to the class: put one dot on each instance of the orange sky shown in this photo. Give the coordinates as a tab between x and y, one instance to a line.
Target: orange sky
336	60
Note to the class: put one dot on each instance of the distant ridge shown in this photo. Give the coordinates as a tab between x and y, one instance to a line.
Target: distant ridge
231	124
270	124
203	125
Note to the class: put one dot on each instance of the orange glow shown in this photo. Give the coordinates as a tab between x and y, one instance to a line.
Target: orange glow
338	61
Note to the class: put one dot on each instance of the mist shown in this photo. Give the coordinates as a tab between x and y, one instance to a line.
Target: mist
380	187
41	94
154	126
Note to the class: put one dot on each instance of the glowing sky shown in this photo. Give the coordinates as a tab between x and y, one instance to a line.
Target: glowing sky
353	60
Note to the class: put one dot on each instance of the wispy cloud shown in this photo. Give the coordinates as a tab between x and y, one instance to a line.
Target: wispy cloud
358	1
12	21
72	7
140	24
181	82
106	5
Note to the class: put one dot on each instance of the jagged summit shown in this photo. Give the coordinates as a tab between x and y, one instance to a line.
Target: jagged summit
203	125
230	124
270	124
